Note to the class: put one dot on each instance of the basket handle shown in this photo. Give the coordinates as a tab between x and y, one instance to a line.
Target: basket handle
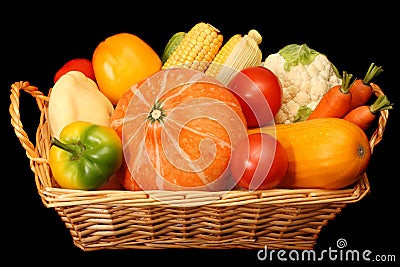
16	118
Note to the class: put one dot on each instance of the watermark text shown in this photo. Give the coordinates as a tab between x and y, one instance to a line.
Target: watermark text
338	253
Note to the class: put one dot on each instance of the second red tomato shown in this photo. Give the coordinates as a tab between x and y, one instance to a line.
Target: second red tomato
260	94
259	163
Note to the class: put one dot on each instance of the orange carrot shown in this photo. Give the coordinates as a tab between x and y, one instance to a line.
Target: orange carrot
361	90
364	115
336	101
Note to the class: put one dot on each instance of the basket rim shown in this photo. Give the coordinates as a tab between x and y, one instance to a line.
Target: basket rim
53	196
59	197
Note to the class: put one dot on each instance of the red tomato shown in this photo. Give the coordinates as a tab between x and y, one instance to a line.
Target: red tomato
259	162
80	64
259	92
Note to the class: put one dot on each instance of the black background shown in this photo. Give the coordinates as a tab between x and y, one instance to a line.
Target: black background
37	40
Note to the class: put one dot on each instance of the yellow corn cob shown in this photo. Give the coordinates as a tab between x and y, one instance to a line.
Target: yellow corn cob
216	65
236	54
197	49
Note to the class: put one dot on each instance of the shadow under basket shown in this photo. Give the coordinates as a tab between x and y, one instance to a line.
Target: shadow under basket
120	219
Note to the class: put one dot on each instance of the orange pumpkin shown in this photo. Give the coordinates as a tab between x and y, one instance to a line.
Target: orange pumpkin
178	129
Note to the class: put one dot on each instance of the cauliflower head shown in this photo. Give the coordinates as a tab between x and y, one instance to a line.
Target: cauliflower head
305	76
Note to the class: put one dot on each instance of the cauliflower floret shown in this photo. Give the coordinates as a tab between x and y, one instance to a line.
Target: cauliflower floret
305	76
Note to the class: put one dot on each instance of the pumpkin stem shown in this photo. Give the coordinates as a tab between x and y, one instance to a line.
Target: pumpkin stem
157	113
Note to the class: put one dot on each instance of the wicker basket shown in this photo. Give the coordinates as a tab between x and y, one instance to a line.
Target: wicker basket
119	219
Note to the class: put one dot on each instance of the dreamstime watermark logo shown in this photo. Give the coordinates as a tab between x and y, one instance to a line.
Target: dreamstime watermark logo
338	253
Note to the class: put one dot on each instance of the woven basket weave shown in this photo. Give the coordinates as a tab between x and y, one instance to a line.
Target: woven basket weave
119	219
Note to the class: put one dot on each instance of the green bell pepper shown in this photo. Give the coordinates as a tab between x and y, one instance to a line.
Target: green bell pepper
85	156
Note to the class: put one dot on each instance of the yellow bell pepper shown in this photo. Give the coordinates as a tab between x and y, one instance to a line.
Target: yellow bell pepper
74	97
123	60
